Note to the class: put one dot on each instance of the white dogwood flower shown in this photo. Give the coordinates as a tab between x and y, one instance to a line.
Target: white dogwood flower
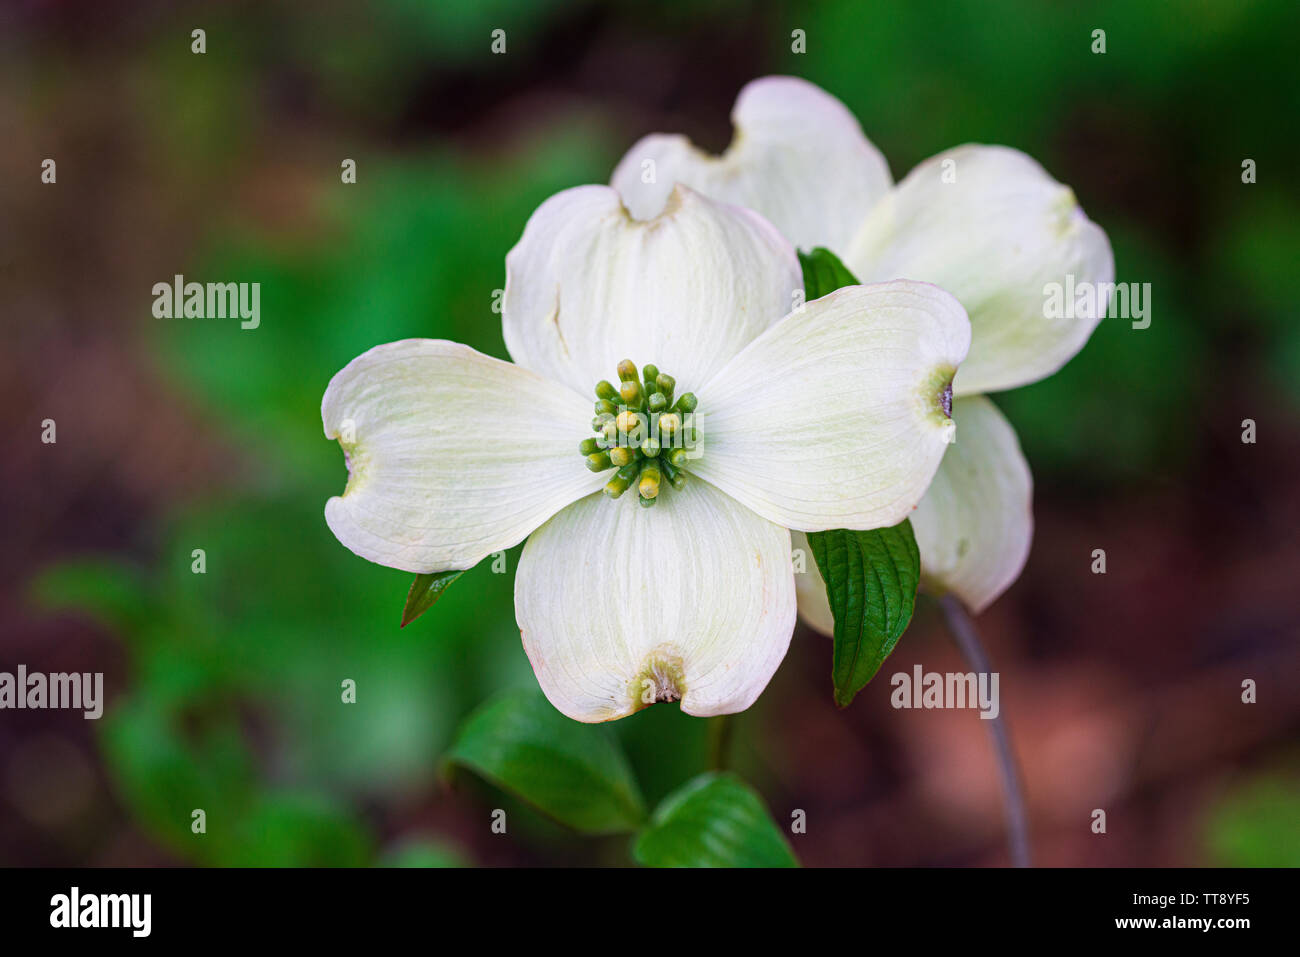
986	223
658	562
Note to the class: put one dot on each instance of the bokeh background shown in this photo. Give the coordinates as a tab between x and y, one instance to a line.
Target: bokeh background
1122	690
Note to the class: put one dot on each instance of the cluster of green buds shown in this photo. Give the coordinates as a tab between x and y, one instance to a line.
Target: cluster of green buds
642	432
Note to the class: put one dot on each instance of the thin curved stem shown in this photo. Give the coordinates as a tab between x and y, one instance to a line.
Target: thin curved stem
967	639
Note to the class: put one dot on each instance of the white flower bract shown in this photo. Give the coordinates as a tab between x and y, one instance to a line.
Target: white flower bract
825	416
985	223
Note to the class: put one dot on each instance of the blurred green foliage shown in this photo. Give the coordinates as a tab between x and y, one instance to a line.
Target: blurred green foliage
284	613
1257	824
1151	135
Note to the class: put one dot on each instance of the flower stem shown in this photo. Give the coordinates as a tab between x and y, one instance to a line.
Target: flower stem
964	634
719	741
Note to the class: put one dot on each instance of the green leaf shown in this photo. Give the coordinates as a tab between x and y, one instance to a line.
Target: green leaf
823	273
871	581
871	577
574	772
425	590
714	820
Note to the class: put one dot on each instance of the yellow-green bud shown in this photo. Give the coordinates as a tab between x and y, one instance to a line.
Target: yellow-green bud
648	487
631	392
628	421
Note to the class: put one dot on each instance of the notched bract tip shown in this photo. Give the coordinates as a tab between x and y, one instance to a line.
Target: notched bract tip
354	457
662	678
936	398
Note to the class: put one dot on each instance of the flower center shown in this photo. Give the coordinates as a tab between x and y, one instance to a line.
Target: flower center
642	432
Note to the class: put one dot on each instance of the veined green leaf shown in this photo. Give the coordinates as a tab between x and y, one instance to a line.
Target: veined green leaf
574	772
823	273
871	577
871	581
714	820
425	590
